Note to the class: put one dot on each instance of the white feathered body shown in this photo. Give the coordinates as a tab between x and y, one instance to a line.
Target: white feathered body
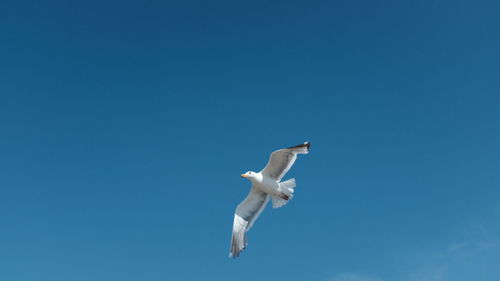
266	184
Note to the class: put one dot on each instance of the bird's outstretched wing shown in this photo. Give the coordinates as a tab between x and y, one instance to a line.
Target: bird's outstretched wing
246	213
282	160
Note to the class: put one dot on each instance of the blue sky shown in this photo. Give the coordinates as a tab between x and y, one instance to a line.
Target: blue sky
124	127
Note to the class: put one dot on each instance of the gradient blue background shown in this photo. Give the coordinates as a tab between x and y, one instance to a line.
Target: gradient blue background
124	127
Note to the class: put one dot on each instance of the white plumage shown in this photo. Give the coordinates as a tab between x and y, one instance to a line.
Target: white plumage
265	184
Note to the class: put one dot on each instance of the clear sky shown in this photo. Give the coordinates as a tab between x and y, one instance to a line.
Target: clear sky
124	127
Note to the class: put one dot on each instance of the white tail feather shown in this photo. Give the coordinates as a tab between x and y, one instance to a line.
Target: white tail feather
286	190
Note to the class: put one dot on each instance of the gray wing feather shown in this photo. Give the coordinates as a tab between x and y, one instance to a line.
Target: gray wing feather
246	214
282	160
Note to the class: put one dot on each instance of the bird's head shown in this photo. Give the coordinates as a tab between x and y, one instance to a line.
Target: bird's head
249	175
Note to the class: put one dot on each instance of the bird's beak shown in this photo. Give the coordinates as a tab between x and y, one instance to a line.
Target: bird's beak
244	176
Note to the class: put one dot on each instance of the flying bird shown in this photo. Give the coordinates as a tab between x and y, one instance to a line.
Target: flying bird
265	184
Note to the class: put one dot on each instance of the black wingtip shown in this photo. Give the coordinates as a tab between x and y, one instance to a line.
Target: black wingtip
306	144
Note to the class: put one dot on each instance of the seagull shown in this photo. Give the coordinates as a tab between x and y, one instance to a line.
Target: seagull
265	184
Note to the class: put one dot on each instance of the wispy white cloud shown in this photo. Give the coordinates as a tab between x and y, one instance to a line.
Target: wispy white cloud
354	277
429	274
461	259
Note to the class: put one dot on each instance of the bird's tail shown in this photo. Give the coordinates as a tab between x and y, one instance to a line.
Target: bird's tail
285	190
